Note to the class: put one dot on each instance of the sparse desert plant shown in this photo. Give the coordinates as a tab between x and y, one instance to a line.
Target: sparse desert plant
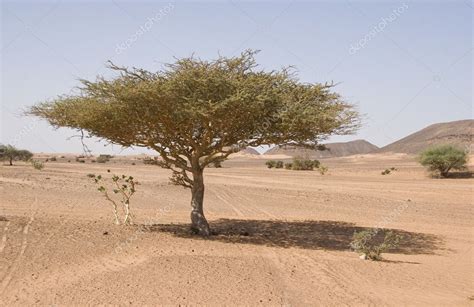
442	159
102	159
316	163
123	186
323	169
288	165
303	164
10	153
53	159
370	246
151	161
279	164
386	172
38	165
271	163
234	104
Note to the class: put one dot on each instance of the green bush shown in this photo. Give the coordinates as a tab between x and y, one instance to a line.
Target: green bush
370	246
103	159
271	163
323	169
279	164
442	159
303	165
37	164
289	165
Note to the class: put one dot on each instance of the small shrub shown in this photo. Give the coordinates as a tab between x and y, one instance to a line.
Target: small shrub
103	159
271	163
303	165
323	169
386	172
316	163
38	165
53	159
151	161
370	246
133	163
442	159
124	186
279	164
289	165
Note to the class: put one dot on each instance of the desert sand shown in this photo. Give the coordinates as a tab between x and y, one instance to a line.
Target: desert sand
281	237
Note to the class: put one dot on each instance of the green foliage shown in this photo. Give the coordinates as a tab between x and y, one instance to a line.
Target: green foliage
271	163
323	169
102	159
38	165
303	164
443	159
371	246
388	171
195	112
123	186
274	164
10	153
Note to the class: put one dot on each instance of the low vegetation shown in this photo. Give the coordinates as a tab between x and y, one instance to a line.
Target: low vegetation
441	160
371	247
388	171
298	165
38	165
10	153
122	186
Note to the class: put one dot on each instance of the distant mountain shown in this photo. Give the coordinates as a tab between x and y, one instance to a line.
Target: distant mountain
458	133
249	151
335	150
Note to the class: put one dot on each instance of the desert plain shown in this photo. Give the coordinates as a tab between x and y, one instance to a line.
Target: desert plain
280	237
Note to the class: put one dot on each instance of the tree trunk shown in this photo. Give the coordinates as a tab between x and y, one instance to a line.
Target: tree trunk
11	161
198	220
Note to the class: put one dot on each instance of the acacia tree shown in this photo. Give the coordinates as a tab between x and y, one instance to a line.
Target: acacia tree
444	158
11	153
195	112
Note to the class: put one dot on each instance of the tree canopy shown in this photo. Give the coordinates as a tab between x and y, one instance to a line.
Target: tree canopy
195	112
442	159
10	153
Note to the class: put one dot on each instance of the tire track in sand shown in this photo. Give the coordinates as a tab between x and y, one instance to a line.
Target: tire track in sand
3	243
24	244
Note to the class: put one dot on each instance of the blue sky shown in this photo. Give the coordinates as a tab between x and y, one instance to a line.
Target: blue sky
405	64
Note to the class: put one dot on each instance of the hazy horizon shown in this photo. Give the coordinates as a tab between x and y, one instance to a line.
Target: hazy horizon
406	64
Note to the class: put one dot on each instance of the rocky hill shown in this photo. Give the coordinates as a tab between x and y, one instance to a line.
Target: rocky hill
458	133
334	150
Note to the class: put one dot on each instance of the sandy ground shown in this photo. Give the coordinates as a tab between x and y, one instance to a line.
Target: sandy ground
281	237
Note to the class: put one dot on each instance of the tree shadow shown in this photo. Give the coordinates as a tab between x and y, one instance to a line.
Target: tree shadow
460	175
326	235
